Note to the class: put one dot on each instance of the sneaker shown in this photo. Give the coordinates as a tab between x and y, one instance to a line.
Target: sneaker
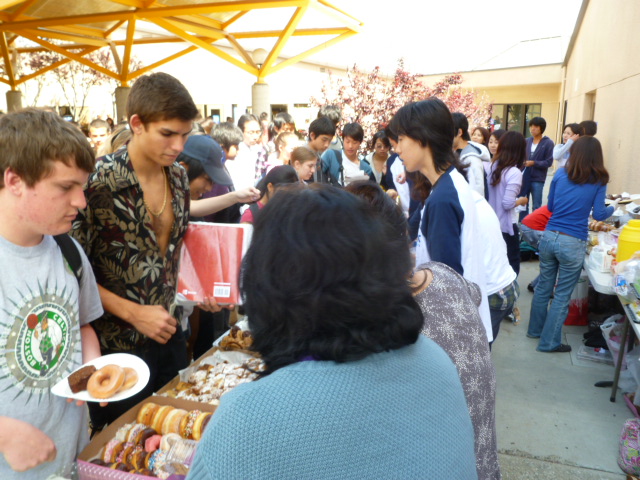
562	348
531	288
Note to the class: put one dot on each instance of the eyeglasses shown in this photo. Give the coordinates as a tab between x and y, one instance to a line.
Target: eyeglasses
253	132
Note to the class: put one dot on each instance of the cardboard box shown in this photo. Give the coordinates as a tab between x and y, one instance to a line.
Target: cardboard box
89	471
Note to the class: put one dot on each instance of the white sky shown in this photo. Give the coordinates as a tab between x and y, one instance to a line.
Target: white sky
445	36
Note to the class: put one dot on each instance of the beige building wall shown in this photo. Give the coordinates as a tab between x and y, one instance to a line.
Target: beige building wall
603	84
535	84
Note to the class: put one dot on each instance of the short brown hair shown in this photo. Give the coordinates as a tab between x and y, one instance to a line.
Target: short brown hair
160	96
302	154
586	162
32	139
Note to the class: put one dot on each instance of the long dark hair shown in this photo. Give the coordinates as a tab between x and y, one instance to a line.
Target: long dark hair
586	162
428	122
325	277
512	152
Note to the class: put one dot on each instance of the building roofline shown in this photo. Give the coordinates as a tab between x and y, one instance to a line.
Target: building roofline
490	69
576	30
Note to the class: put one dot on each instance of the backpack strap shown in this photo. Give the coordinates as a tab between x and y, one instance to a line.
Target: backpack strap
71	254
337	155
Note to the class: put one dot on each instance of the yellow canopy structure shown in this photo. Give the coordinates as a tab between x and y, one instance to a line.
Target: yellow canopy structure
230	29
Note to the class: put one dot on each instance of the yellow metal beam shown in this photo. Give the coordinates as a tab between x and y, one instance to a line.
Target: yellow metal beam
298	33
218	7
130	3
70	20
196	29
53	66
131	31
162	12
333	7
203	44
71	55
9	3
202	20
335	14
63	36
233	19
241	51
8	66
21	9
290	61
277	48
116	26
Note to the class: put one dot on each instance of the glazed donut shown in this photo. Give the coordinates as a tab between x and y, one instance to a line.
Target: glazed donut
172	421
105	382
130	379
146	413
200	424
159	417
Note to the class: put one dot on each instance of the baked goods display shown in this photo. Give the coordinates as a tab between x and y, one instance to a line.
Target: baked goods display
598	226
158	444
237	339
209	382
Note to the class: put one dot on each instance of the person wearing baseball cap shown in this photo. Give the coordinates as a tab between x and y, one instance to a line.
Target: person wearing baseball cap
202	159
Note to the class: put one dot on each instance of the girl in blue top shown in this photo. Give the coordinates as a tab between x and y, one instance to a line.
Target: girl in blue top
575	190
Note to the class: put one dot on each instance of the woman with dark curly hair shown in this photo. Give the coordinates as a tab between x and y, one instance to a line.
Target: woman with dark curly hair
351	389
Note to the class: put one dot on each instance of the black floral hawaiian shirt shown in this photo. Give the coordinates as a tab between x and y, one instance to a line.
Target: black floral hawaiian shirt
116	233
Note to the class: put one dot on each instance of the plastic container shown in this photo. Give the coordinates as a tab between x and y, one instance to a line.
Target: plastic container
629	241
579	303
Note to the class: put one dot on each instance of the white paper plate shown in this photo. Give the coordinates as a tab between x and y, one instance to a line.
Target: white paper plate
121	359
626	201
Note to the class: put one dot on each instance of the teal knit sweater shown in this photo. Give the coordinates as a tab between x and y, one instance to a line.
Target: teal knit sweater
394	415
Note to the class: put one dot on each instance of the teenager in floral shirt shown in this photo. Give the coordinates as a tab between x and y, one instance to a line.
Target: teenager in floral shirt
132	229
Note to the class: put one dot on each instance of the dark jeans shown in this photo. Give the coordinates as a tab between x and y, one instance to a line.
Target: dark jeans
513	248
164	362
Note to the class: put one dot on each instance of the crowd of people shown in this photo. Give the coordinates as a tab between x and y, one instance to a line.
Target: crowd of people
374	285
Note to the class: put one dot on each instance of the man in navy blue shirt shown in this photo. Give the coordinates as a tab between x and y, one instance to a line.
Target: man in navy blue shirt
539	159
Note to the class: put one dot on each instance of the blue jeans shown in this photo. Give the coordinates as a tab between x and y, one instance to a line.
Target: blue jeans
536	194
531	236
560	255
535	189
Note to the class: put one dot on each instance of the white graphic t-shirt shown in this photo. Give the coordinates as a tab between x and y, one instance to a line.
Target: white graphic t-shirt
41	310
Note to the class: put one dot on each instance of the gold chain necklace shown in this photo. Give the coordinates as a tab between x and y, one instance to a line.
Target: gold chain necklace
164	201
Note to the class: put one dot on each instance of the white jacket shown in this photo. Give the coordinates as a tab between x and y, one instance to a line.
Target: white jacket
471	158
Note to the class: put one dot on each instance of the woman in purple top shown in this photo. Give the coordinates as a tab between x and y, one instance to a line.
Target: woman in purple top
504	178
575	190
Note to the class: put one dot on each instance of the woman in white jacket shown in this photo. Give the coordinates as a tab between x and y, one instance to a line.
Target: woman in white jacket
570	134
